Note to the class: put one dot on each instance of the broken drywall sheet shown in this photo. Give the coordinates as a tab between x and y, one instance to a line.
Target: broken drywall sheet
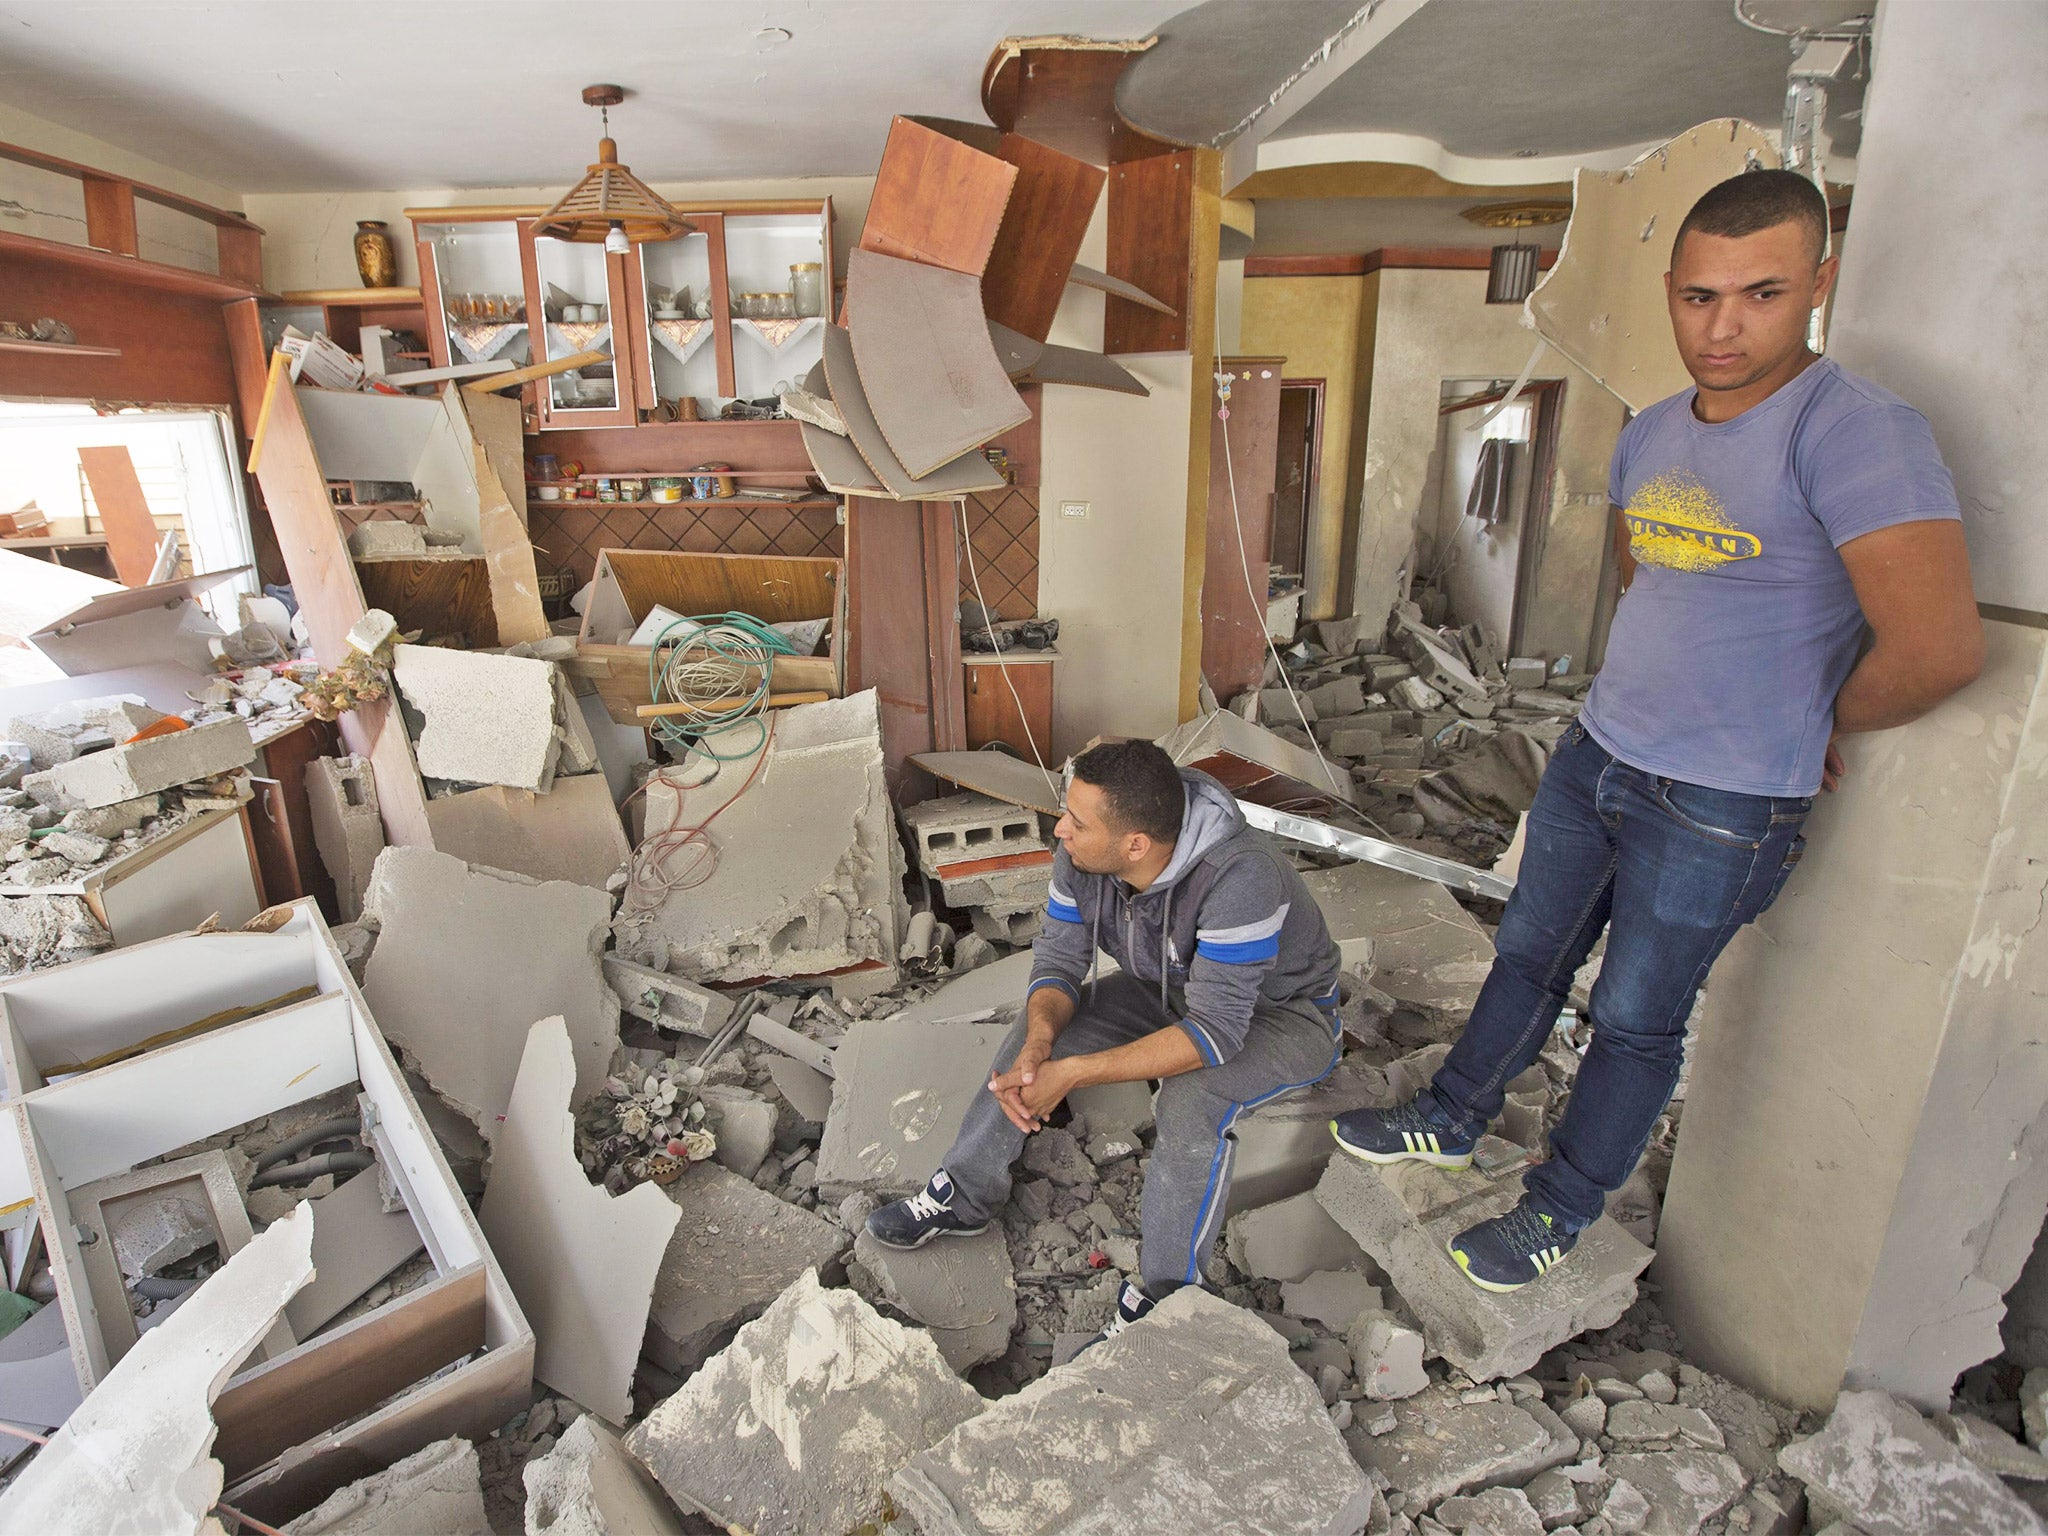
489	719
571	833
468	958
794	1428
588	1485
135	1456
1254	763
971	471
438	1488
582	1262
356	1243
1602	305
819	887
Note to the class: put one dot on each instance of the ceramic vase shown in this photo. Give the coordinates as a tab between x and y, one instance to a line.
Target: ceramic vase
375	264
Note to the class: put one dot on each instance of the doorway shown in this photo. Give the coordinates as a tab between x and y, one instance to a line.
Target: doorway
1297	473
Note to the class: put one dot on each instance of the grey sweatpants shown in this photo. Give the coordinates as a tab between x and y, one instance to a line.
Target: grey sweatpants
1290	1046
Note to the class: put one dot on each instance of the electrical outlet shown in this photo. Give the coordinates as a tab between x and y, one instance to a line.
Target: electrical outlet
1073	509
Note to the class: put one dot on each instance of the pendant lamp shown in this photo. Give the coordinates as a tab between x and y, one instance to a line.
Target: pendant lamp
610	203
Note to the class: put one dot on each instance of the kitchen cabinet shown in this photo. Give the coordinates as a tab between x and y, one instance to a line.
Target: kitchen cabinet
664	312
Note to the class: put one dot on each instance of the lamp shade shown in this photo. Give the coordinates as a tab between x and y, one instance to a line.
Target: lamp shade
608	195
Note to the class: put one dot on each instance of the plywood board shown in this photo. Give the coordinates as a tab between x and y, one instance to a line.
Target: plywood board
1050	206
1016	350
123	511
1602	304
564	1241
438	598
927	366
1102	282
996	773
500	527
570	833
936	200
294	485
1075	365
970	472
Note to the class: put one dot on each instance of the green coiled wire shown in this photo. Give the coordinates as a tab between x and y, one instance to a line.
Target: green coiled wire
714	657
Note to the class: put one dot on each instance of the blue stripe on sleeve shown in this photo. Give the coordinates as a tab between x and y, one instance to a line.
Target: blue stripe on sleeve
1202	1045
1065	912
1248	953
1061	982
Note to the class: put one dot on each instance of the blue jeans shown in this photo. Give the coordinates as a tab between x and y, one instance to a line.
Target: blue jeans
1671	870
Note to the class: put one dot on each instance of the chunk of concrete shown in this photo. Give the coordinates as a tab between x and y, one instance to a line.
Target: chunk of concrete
745	1126
1290	1240
468	958
589	1486
490	719
1284	1145
1440	1446
1633	1422
562	1240
1685	1488
962	1289
1404	1214
385	538
59	734
1111	1109
348	831
805	1089
734	1250
1339	696
819	885
135	1454
138	768
1429	953
1496	1512
1877	1463
899	1092
1386	1356
1332	1297
796	1428
1193	1420
666	1001
438	1489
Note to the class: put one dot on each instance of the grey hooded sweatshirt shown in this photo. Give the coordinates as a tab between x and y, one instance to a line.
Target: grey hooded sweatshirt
1228	928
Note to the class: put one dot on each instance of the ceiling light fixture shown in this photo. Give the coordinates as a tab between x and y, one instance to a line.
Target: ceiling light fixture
610	203
1529	214
1511	276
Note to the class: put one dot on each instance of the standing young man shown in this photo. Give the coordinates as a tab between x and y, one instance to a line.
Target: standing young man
1227	992
1765	518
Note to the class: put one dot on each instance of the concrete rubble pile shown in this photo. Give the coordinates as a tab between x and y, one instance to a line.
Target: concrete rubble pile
1444	739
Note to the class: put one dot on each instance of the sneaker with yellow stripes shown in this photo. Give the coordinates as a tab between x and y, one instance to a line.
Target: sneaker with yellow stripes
1509	1251
1406	1133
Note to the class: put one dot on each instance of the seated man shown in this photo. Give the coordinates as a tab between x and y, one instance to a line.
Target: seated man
1228	993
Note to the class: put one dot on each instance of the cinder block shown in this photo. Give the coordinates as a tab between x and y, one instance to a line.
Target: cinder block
962	828
1340	696
101	779
341	794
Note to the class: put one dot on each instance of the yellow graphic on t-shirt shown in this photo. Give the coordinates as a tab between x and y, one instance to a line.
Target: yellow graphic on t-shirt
1676	522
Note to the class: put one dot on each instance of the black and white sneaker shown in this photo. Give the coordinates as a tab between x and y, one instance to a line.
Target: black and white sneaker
925	1215
1131	1304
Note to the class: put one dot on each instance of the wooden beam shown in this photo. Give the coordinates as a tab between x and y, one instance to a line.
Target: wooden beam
110	215
1403	258
130	269
123	512
245	354
1305	266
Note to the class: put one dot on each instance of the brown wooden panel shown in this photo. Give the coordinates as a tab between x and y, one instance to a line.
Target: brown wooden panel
936	200
244	324
439	598
1151	234
110	215
772	450
1065	97
1305	266
123	512
942	625
887	630
1233	617
281	826
774	589
129	269
240	254
173	346
992	713
1041	233
348	1371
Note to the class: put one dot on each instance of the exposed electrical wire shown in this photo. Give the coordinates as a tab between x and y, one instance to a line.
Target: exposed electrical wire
680	858
713	660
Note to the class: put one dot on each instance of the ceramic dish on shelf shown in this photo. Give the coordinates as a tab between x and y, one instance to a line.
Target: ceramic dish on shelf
548	492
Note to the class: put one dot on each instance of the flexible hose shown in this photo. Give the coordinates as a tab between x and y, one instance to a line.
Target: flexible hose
326	1130
309	1170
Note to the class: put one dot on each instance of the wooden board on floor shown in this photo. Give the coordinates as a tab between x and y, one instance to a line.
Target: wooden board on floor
926	363
330	597
123	511
936	200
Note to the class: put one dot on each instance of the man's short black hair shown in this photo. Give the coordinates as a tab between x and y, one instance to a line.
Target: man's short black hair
1140	783
1757	200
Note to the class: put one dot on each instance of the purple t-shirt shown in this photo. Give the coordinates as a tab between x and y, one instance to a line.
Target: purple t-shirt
1741	625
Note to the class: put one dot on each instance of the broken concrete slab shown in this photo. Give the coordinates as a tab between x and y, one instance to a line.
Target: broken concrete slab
744	1124
490	719
796	1428
128	772
1404	1214
135	1456
900	1090
820	887
1332	1297
1111	1109
1194	1419
468	958
562	1240
1496	1512
734	1250
1877	1463
341	795
438	1488
666	1001
1429	953
1685	1488
589	1486
1441	1446
1283	1146
805	1089
1386	1356
1290	1240
962	1289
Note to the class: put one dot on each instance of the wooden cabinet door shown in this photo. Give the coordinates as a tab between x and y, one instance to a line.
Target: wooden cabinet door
993	714
584	273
